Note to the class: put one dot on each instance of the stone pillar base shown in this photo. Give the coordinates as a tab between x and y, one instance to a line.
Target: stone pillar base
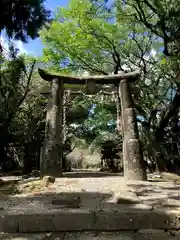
134	169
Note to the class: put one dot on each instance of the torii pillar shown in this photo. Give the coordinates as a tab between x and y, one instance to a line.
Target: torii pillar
132	154
51	163
134	167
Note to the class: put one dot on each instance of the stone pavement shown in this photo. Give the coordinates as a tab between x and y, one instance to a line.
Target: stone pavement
93	204
140	235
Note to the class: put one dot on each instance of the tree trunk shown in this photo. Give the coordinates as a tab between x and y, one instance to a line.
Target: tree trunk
51	163
134	167
170	112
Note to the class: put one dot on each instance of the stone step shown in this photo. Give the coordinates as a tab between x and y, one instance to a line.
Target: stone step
85	220
130	235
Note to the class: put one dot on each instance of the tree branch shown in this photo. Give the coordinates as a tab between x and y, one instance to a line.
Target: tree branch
28	82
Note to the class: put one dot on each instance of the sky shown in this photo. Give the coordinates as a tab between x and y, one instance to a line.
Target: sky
34	47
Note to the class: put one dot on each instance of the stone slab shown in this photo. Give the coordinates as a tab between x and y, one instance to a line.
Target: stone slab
84	220
140	219
64	221
140	235
9	223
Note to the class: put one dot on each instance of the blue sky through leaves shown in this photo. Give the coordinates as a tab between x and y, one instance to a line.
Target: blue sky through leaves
35	47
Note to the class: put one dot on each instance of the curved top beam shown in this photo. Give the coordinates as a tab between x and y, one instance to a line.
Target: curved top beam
102	79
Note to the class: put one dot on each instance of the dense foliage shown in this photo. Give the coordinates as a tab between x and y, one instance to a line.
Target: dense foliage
21	19
21	105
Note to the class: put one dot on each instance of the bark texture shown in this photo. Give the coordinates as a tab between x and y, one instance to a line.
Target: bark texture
132	153
51	163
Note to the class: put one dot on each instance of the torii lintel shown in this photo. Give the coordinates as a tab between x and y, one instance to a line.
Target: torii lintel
102	79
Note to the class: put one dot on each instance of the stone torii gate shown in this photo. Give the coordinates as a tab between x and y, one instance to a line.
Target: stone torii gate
52	154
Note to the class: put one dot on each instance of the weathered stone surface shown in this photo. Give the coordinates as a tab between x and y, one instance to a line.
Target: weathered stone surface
48	179
51	163
134	163
84	220
125	197
129	123
130	235
125	92
62	221
52	160
133	160
9	223
144	219
64	201
170	176
32	236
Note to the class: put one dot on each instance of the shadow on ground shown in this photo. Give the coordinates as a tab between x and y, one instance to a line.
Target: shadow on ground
162	196
91	174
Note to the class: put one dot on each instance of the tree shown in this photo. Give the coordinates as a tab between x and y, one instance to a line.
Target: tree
22	108
162	19
91	41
